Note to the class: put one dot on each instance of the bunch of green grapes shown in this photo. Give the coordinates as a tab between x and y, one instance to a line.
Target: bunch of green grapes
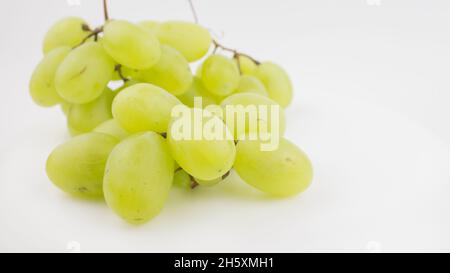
131	144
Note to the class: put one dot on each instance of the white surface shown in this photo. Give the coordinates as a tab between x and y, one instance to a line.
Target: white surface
371	109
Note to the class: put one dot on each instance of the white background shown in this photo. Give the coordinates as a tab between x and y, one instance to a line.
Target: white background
371	109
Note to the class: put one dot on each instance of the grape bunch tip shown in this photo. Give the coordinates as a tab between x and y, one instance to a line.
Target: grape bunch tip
126	146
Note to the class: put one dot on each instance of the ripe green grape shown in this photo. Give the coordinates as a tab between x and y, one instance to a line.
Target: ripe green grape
83	118
202	156
130	45
220	75
251	84
181	179
208	183
171	72
150	26
246	65
77	166
253	116
42	86
197	90
65	107
112	128
66	32
276	81
283	172
144	107
192	40
138	177
84	73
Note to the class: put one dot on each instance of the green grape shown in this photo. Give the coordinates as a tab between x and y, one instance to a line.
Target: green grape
65	107
182	179
66	32
144	107
138	177
283	172
246	65
255	119
150	26
84	73
197	90
42	86
199	152
208	183
112	128
77	166
276	81
199	71
83	118
130	45
171	72
251	84
220	75
192	40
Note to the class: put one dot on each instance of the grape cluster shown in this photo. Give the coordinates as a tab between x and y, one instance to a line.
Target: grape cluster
123	149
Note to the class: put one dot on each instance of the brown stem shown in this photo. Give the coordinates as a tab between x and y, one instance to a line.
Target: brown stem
194	183
94	33
118	69
236	54
105	10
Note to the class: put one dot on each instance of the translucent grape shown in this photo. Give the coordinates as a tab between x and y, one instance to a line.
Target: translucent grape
208	183
220	75
251	84
77	166
254	120
65	107
66	32
131	45
192	40
150	26
203	156
138	177
83	118
84	74
181	179
283	172
197	90
144	107
246	65
276	81
112	128
171	72
42	86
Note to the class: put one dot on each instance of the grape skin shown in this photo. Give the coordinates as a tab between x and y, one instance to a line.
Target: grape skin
144	107
112	128
220	75
246	65
131	45
197	90
181	179
276	81
138	177
83	118
42	85
283	172
192	40
171	72
202	158
251	84
77	166
252	99
84	73
66	32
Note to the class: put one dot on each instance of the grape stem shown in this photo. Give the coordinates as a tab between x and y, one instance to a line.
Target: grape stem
236	54
105	10
94	33
118	69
